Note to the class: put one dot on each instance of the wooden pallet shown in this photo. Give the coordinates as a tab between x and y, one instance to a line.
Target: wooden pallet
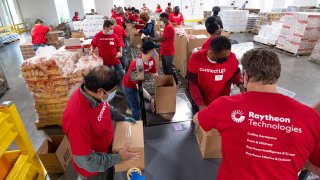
44	124
290	53
236	32
270	45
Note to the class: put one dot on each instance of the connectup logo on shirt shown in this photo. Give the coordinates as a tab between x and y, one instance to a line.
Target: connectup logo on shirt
237	116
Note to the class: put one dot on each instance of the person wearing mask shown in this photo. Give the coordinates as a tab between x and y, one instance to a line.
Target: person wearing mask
167	50
38	34
212	71
176	18
169	9
139	23
217	18
76	16
119	16
158	10
244	5
121	33
261	126
109	47
148	29
87	122
213	29
130	88
233	2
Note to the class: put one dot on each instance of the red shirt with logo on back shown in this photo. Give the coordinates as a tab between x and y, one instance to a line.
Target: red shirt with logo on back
120	32
176	19
108	47
38	34
214	79
167	46
150	67
264	135
88	129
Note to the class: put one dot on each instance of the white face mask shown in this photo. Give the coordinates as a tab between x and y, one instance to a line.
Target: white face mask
213	62
110	96
110	32
161	23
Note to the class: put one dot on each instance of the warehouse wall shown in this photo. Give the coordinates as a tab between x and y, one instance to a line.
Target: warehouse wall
151	4
304	3
44	9
104	7
75	6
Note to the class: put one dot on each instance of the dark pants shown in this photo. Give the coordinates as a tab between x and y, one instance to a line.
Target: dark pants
168	67
107	175
132	96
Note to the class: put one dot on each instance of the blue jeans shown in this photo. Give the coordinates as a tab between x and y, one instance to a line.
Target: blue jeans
123	59
132	96
119	70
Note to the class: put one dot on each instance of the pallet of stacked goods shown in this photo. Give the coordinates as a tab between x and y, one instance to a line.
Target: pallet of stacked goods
266	18
269	34
252	18
234	21
315	55
27	50
300	33
52	78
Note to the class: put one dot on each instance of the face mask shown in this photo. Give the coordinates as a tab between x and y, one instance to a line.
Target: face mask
161	23
176	12
213	62
110	96
221	60
110	32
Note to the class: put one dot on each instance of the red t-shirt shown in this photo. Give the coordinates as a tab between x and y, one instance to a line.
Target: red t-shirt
206	45
141	24
158	10
88	129
167	46
133	17
213	78
75	18
108	47
38	34
264	135
176	19
120	32
119	18
148	68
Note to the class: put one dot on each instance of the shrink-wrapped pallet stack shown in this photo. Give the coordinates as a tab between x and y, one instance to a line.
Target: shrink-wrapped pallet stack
234	20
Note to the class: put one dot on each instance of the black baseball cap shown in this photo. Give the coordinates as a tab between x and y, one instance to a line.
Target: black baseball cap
148	46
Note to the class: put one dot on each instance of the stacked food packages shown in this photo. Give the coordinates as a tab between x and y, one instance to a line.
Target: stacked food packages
266	18
269	34
51	77
234	20
300	33
315	55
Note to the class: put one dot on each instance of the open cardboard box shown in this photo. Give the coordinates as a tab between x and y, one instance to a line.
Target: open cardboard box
131	134
165	94
55	154
209	142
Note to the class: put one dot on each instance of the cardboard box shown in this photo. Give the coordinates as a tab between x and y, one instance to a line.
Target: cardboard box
77	34
180	58
197	42
73	44
26	46
157	60
209	142
131	134
55	154
165	94
137	41
53	37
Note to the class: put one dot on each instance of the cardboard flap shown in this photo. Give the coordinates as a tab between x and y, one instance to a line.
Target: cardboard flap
128	133
165	81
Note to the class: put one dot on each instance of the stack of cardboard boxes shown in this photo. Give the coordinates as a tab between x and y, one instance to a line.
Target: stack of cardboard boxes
54	39
27	50
266	18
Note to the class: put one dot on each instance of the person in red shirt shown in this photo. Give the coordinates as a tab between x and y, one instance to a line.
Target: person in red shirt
213	29
264	134
119	17
158	10
38	34
133	16
129	86
76	16
109	47
144	7
139	23
121	33
212	71
176	18
167	50
169	9
87	121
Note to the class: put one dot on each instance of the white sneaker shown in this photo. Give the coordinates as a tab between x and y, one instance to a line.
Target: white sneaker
129	111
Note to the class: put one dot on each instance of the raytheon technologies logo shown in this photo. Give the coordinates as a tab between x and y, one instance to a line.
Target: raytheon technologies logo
237	116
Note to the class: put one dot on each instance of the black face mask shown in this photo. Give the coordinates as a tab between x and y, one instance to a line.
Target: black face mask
176	11
221	60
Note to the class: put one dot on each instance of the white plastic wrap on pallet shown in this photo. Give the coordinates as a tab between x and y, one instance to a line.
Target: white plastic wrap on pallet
234	20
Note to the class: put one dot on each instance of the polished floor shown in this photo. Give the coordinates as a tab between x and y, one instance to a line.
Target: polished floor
171	153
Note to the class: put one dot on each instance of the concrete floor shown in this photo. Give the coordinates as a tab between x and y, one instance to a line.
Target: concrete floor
170	154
